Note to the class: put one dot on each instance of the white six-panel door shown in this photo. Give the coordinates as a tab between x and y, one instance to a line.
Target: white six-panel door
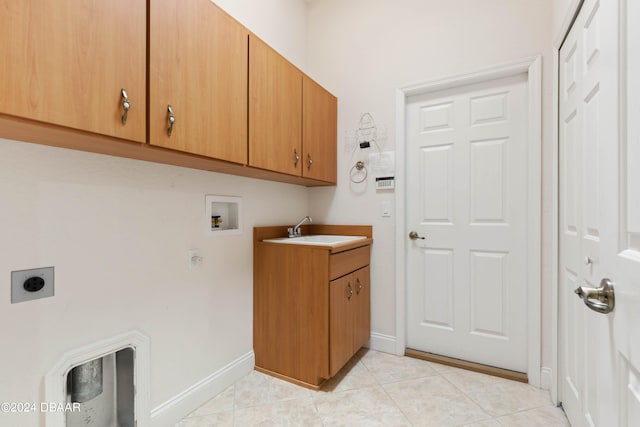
599	223
582	102
467	196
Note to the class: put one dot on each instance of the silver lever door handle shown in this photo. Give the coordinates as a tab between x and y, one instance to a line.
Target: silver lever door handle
126	105
414	236
296	158
601	299
171	118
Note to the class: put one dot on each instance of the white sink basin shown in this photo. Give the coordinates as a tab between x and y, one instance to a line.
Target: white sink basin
320	239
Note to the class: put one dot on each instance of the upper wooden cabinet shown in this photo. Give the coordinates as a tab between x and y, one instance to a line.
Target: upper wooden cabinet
198	66
275	110
292	119
319	131
167	81
66	62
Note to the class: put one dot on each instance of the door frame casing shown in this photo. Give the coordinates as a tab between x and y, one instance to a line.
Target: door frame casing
533	68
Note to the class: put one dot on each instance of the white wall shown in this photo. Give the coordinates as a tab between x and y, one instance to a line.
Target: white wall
560	16
363	51
117	232
281	23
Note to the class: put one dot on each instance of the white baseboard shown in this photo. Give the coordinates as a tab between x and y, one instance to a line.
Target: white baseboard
546	376
381	342
181	405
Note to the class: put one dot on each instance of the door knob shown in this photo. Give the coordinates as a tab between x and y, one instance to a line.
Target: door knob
601	299
414	236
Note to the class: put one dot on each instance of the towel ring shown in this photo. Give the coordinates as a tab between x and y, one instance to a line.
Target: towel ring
358	168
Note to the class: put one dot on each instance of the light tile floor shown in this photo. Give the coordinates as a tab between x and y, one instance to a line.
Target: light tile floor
379	389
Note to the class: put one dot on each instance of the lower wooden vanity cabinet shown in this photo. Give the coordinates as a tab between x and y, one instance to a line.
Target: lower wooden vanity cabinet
349	317
311	305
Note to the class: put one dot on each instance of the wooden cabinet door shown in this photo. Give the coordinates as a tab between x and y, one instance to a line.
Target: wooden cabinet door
319	132
198	65
362	307
275	111
291	311
341	295
65	62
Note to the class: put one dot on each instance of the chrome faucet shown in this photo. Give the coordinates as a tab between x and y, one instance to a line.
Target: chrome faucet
295	230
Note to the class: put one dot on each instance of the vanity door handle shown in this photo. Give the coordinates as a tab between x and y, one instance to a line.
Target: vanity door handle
171	118
359	287
126	105
350	291
296	158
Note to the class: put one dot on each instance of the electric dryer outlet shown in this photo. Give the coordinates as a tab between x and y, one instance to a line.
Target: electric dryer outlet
35	283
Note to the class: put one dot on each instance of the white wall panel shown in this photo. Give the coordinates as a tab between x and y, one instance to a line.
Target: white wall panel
437	178
591	35
630	392
488	195
489	108
438	295
488	293
569	71
570	191
436	117
574	345
591	152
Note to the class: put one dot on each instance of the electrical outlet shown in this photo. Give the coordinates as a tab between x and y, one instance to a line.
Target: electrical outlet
35	283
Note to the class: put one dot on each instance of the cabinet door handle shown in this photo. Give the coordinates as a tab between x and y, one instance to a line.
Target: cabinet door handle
359	287
309	161
172	119
350	291
296	158
126	105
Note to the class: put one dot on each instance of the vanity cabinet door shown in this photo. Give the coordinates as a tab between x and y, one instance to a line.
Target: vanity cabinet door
65	63
198	66
362	308
275	111
349	316
341	321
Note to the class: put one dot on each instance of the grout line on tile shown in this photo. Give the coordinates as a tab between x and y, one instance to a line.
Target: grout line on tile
396	404
376	384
